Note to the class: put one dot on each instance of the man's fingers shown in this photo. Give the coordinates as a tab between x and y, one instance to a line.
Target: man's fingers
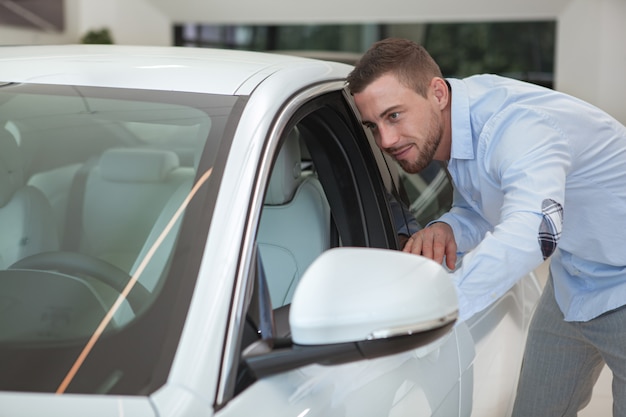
435	242
414	244
451	255
421	243
427	245
439	251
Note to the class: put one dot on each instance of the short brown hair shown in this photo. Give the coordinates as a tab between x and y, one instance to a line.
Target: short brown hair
407	60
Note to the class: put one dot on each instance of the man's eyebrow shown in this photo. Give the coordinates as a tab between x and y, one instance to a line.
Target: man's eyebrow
382	114
389	110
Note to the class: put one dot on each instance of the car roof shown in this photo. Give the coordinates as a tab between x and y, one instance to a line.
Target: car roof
205	70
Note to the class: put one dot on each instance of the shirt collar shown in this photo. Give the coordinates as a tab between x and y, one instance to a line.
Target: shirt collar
462	144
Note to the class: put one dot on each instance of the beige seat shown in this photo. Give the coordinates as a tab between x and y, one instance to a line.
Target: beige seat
295	223
152	271
124	195
26	218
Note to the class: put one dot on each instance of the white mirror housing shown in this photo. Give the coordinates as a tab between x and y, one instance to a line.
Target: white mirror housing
358	294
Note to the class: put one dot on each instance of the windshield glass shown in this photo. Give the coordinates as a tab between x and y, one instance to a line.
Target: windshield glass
97	192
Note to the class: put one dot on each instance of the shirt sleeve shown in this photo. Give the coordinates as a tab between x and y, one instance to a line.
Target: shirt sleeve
527	157
468	226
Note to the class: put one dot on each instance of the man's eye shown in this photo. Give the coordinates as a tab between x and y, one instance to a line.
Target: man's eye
370	126
394	115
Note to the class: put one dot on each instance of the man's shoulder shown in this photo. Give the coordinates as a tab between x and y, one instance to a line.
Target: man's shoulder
495	80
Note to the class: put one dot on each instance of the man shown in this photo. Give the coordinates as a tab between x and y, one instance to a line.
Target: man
537	174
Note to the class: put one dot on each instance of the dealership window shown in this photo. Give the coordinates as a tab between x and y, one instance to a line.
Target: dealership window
44	15
523	50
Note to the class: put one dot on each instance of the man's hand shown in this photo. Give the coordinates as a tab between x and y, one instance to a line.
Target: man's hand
434	242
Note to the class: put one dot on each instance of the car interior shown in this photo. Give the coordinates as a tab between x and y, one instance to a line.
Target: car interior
294	201
26	216
87	186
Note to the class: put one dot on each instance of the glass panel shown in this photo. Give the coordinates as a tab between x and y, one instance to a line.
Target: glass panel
429	192
461	49
94	186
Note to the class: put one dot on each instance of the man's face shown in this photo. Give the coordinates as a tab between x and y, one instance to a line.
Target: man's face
406	125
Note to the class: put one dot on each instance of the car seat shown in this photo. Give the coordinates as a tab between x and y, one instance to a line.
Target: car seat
295	222
124	195
26	217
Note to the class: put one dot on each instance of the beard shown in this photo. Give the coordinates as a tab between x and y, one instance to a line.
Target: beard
426	149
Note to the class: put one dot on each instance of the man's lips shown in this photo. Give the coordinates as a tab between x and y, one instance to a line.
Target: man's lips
400	152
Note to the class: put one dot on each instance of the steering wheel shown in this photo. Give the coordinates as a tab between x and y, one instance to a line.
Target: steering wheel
75	263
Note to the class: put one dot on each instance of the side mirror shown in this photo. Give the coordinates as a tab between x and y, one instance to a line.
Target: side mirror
362	294
361	303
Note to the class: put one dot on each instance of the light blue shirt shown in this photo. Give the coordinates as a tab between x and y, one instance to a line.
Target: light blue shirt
520	152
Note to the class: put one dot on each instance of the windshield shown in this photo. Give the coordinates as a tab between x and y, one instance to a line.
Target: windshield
97	192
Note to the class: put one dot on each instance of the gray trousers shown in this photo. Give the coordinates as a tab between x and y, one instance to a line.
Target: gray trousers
563	361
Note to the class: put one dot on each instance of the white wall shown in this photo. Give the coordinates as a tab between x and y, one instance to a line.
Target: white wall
590	58
17	36
131	22
591	53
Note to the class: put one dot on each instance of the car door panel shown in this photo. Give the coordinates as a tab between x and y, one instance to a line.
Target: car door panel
419	383
499	334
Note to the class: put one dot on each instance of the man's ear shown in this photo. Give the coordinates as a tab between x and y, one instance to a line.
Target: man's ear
440	90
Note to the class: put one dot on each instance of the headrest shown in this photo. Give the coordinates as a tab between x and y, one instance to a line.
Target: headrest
137	165
286	172
11	171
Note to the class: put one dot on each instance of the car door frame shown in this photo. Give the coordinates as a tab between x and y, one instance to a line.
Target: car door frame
377	234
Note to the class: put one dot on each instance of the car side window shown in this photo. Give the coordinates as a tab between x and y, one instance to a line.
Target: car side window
429	192
324	191
295	226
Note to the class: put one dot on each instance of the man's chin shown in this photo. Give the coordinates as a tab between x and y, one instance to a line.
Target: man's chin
409	167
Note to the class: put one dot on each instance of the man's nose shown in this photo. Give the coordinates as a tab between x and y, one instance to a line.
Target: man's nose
387	137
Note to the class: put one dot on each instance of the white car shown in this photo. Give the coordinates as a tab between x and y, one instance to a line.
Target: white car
195	232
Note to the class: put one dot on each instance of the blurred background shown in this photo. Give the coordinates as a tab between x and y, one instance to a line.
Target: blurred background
575	46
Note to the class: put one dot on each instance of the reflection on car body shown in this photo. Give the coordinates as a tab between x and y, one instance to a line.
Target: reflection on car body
208	233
